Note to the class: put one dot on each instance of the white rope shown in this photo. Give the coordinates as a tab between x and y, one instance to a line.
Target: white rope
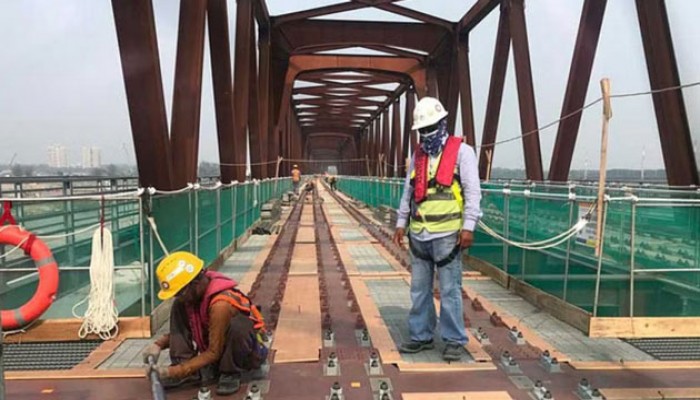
541	245
130	195
154	228
44	237
152	190
102	315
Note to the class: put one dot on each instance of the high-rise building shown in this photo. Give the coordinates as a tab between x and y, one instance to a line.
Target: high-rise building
58	156
92	157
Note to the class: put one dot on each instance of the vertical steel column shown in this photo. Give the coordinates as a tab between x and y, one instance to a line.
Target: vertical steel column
465	91
220	55
143	261
408	136
254	136
264	100
495	98
244	21
506	226
187	93
671	116
523	259
572	204
579	79
379	143
396	141
138	50
386	143
526	93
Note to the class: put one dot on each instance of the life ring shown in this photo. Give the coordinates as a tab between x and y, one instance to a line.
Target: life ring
48	277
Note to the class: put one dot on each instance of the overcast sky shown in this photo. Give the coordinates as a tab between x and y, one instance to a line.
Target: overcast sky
61	81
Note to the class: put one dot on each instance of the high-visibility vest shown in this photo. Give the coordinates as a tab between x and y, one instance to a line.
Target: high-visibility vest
441	207
242	303
296	175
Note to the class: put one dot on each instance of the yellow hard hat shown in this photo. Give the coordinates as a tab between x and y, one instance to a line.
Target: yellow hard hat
176	271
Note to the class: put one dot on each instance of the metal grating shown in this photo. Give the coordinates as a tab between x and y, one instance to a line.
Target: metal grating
46	356
669	349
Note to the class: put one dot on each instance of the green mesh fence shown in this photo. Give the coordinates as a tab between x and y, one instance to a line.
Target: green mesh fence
203	221
650	264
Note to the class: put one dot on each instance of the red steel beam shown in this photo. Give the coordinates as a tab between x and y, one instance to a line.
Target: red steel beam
386	143
255	136
317	12
495	97
476	14
417	15
465	92
219	48
264	101
395	153
409	134
577	87
526	93
187	93
138	50
244	52
671	116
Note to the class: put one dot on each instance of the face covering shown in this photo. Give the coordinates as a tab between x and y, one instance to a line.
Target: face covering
432	142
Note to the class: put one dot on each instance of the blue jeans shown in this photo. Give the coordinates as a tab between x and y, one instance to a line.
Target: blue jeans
422	317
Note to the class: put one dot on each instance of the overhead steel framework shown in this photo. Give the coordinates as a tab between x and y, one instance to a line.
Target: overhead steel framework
290	94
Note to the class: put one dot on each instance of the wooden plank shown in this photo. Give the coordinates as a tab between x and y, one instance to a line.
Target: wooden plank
57	330
99	355
457	396
650	393
644	327
633	365
381	338
496	274
530	336
445	367
298	334
306	234
76	374
347	260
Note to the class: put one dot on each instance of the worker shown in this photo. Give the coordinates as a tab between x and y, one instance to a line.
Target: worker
213	327
296	178
333	181
440	205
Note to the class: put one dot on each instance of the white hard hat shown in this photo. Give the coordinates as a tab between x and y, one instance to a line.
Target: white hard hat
428	111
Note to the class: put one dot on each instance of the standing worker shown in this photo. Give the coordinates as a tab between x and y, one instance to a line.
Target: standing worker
441	199
296	178
211	324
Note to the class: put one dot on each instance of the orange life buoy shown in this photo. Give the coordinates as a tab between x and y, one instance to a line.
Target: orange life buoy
48	277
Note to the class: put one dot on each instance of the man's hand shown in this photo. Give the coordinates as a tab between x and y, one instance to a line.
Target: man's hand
466	238
151	350
162	372
398	236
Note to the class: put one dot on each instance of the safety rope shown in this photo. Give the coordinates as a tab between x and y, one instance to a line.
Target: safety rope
154	228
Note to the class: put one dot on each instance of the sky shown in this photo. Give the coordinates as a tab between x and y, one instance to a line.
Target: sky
61	80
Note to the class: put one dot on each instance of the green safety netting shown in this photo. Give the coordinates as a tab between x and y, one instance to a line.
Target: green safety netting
661	225
204	221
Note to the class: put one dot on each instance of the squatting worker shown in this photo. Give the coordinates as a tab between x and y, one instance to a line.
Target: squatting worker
296	178
441	200
214	328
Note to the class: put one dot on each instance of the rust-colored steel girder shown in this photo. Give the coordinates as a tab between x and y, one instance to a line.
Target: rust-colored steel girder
495	96
187	94
242	72
396	148
138	50
465	91
671	116
577	87
407	35
526	92
219	49
480	10
409	136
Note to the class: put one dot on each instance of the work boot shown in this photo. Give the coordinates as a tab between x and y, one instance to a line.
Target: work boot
415	346
228	384
172	383
453	352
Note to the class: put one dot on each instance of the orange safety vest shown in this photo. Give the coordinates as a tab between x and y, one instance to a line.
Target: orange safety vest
296	175
243	304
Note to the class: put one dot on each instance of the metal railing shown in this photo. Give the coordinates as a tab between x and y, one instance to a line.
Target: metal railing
203	219
651	237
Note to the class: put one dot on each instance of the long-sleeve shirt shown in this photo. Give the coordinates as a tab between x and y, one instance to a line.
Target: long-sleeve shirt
471	191
220	314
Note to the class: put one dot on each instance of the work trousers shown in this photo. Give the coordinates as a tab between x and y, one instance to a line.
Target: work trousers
241	352
422	318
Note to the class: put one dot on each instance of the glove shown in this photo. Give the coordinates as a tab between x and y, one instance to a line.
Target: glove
151	350
163	372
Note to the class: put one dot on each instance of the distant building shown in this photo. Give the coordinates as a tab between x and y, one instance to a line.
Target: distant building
58	156
92	157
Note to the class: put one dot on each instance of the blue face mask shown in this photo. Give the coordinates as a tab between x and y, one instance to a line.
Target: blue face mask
432	142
